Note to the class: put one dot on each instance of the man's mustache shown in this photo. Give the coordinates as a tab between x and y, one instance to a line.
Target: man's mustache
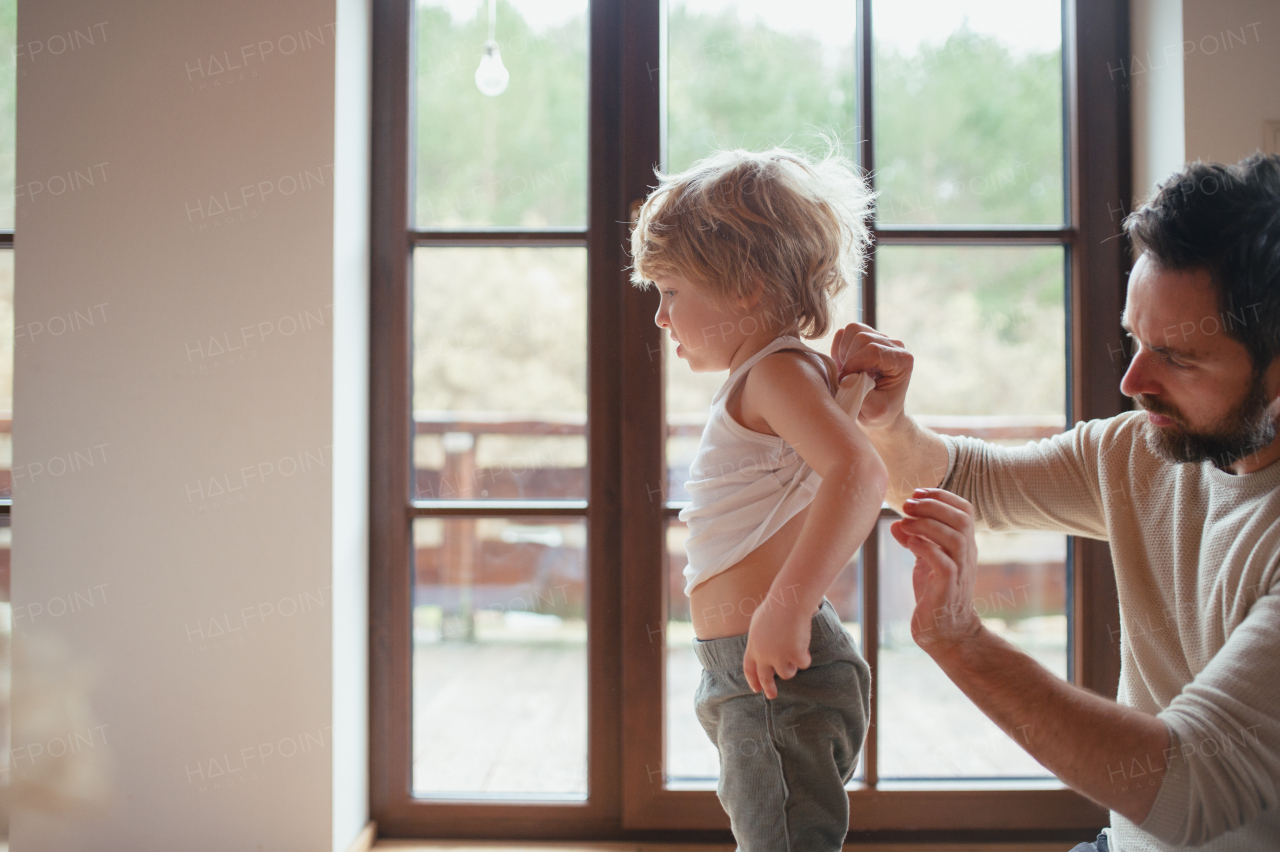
1148	403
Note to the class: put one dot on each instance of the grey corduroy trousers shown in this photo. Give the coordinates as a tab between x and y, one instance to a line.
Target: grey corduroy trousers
784	763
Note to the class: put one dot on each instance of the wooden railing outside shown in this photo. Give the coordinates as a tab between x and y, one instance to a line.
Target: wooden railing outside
464	565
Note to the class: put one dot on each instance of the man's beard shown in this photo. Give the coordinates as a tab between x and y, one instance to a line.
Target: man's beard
1241	433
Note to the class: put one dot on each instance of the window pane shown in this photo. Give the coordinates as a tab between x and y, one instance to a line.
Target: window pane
744	73
6	462
755	74
692	762
500	658
517	158
987	329
8	97
928	727
968	111
500	373
6	371
6	646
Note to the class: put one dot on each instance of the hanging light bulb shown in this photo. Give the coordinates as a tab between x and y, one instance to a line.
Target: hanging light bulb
492	76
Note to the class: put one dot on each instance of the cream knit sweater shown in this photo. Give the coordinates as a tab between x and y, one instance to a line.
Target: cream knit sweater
1196	553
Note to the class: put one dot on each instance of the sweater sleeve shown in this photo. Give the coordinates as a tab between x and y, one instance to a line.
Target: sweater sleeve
1224	761
1050	485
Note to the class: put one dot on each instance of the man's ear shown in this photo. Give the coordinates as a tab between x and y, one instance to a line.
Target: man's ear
1271	380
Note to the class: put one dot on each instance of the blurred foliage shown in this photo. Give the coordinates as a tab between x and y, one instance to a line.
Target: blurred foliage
500	329
969	133
987	326
8	99
732	84
518	159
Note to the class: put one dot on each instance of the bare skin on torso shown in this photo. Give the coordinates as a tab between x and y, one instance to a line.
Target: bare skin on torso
723	605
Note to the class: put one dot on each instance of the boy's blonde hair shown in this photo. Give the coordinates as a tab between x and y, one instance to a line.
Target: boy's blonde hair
738	221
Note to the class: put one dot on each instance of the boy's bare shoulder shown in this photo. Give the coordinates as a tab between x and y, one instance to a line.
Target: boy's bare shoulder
791	365
788	379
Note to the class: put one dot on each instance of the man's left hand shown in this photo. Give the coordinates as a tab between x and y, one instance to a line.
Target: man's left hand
938	528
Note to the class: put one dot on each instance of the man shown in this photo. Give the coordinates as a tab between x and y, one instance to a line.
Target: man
1187	492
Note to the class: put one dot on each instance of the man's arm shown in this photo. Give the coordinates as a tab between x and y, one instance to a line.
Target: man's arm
1050	485
1225	770
914	456
1089	742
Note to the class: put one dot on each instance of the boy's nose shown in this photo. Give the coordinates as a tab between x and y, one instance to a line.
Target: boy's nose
660	319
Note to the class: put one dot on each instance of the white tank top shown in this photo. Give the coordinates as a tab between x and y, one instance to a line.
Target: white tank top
743	485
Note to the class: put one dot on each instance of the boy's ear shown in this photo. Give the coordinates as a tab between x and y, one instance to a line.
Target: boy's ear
751	299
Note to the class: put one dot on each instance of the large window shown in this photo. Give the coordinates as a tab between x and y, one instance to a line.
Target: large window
533	670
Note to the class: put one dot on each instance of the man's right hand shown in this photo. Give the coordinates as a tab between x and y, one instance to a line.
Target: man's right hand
859	348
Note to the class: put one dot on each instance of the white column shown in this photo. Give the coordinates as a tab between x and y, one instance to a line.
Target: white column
1154	71
1232	76
190	443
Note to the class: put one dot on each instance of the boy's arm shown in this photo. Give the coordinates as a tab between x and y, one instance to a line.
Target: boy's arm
793	398
915	456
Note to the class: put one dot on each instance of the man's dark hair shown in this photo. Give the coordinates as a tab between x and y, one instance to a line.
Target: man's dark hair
1226	220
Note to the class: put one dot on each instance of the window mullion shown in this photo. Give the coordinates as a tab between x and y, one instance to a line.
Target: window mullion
870	592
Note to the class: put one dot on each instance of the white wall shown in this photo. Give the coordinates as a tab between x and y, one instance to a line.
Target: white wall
1204	77
219	674
1232	76
1155	75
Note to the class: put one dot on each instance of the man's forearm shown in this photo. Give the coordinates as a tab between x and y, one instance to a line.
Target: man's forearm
914	456
1113	754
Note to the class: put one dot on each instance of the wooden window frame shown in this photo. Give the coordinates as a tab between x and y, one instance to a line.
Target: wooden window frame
626	526
392	507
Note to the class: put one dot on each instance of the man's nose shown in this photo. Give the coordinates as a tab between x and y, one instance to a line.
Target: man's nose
1137	378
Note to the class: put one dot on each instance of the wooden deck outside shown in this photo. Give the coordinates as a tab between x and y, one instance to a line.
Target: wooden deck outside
502	717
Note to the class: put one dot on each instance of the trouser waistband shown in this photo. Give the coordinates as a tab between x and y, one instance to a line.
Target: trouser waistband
827	640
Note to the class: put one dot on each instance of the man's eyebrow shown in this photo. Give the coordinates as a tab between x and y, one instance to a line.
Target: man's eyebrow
1188	354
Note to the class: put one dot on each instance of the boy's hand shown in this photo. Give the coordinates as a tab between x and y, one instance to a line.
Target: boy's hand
777	644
